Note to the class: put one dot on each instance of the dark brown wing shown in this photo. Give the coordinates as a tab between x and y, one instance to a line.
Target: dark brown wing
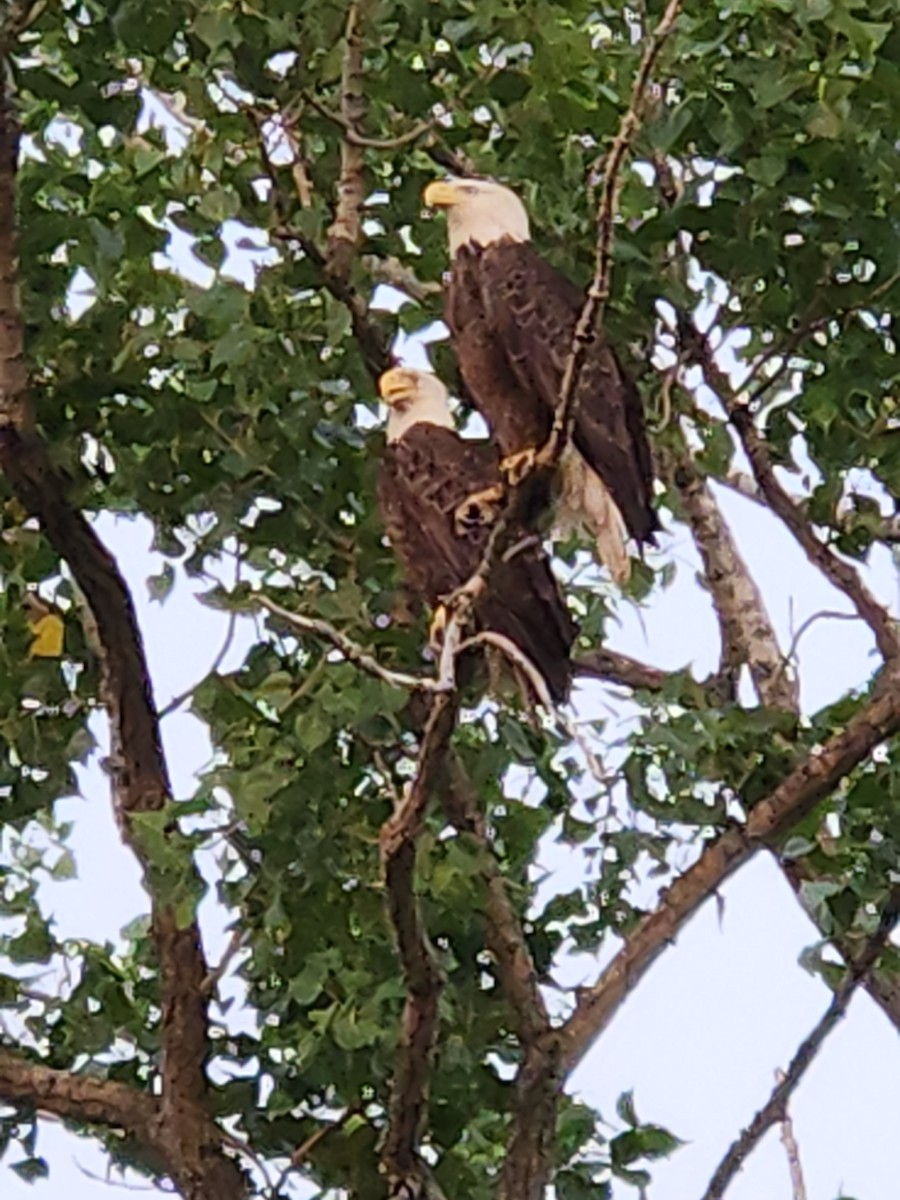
516	415
424	478
532	310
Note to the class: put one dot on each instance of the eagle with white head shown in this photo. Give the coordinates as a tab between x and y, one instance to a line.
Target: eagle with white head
512	319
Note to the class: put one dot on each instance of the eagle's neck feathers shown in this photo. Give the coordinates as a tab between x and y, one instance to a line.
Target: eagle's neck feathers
429	411
485	226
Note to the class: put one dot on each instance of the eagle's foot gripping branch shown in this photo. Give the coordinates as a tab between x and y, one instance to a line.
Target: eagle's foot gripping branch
479	509
515	467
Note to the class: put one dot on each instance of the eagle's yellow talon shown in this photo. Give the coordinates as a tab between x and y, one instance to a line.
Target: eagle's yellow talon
478	509
437	627
516	466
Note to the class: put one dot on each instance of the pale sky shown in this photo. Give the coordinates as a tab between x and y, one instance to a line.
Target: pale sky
701	1037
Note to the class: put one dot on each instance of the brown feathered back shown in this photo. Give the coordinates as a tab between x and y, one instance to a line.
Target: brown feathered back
424	478
513	317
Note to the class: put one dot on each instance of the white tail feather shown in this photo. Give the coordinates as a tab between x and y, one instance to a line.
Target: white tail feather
586	505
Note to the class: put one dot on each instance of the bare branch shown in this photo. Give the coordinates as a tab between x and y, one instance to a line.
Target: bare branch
392	272
792	800
590	322
176	702
775	1109
792	1150
352	651
746	629
345	232
422	976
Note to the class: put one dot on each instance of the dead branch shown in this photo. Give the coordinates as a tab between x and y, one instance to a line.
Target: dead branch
351	650
345	233
746	630
793	799
775	1108
422	976
791	1149
590	321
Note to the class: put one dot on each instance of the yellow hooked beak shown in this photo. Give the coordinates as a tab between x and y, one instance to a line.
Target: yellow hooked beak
396	385
440	194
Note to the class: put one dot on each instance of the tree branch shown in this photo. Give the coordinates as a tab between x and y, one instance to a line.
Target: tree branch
373	345
746	629
85	1099
140	775
351	650
612	667
791	1149
503	930
15	408
590	321
839	573
793	799
775	1109
345	233
422	976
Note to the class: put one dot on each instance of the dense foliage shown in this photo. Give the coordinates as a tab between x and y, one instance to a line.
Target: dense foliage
240	421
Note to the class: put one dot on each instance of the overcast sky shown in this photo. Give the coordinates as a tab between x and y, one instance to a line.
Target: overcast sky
700	1039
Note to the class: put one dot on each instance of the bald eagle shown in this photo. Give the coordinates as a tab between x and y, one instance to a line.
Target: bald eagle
512	319
435	493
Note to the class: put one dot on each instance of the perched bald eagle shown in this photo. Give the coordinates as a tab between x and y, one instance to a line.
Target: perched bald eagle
512	318
435	490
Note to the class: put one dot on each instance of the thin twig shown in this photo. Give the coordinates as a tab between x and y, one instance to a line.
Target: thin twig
590	321
775	1108
212	980
306	1147
355	138
352	651
176	702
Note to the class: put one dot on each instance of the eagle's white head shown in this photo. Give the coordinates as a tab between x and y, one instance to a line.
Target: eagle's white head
413	397
479	211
